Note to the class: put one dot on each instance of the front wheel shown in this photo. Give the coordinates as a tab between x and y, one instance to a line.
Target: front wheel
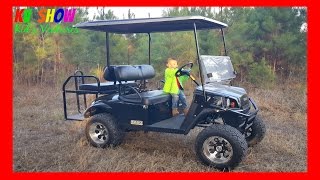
221	146
256	132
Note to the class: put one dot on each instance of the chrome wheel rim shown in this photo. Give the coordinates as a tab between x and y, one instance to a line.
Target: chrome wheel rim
217	149
98	133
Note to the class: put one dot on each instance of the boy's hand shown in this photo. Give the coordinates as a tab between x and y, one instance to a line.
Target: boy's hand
185	72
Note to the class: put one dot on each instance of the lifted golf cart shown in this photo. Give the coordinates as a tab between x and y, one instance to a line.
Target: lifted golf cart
227	115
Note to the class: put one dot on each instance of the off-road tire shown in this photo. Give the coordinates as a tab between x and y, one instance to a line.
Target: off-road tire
113	135
228	133
257	130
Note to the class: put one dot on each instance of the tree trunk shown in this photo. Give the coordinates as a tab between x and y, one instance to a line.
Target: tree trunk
274	66
41	74
42	60
56	61
128	53
241	79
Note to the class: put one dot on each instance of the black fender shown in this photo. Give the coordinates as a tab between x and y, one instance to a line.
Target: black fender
200	117
203	114
96	108
194	118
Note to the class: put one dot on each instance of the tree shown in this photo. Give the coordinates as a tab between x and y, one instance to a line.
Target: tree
279	39
256	39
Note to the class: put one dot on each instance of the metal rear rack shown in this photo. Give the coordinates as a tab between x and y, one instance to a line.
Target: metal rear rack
79	78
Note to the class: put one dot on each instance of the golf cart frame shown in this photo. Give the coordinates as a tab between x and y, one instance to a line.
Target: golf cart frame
124	103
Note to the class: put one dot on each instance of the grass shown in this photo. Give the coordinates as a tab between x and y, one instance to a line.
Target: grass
44	142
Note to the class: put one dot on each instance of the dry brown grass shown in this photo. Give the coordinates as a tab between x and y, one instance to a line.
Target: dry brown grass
44	142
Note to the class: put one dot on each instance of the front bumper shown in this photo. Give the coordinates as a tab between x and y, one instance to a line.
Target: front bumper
247	118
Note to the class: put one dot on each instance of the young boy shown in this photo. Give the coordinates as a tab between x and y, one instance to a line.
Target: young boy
173	86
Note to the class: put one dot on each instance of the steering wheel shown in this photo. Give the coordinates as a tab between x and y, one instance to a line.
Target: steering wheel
181	71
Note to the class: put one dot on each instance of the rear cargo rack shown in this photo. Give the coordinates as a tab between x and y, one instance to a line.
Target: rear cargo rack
79	78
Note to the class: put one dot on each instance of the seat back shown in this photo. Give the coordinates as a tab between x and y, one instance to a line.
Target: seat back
129	72
108	73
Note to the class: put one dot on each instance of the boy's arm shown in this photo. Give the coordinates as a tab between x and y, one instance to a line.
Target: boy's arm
167	80
183	79
169	73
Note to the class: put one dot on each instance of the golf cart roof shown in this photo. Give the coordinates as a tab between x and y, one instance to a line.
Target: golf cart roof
149	25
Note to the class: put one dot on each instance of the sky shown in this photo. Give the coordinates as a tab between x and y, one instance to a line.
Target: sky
140	12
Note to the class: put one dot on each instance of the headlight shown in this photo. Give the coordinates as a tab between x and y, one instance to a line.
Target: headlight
228	102
223	102
215	100
218	101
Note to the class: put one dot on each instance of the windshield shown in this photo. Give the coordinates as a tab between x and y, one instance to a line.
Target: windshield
216	68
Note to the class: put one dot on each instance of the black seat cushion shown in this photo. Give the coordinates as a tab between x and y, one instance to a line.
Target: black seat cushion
134	72
147	98
105	87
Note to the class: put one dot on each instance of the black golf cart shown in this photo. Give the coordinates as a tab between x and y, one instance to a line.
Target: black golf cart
227	115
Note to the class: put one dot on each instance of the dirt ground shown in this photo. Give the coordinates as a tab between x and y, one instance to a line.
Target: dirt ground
44	142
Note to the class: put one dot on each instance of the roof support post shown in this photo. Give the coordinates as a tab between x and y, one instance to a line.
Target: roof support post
198	58
108	49
149	48
224	43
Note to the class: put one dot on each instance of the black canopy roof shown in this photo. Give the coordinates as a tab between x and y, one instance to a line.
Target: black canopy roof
148	25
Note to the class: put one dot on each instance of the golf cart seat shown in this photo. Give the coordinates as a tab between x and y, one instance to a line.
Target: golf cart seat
111	86
138	72
146	98
105	87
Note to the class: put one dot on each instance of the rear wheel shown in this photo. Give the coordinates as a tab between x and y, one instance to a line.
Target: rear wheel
256	132
102	130
221	146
